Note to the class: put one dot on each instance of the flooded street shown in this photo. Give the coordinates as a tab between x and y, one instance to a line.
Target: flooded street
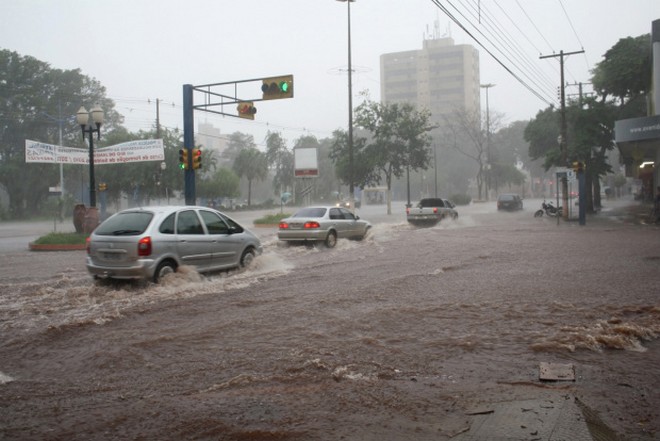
391	338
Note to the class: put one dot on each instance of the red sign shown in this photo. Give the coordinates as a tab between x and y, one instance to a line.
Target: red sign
306	173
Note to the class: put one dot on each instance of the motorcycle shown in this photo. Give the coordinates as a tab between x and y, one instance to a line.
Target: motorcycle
549	210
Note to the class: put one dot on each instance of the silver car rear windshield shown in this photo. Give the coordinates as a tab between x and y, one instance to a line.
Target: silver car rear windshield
125	224
310	212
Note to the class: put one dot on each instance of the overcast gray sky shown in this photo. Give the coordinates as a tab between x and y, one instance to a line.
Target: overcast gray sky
143	50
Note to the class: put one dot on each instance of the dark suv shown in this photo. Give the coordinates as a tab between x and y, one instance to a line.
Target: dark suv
509	202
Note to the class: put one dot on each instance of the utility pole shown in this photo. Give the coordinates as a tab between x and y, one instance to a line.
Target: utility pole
157	118
563	137
488	158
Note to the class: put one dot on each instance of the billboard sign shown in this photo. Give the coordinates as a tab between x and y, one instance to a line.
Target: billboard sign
132	151
305	163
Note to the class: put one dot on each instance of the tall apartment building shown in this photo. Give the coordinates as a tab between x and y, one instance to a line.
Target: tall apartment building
209	137
440	77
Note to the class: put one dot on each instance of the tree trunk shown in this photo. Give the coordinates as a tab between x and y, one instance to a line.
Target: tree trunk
388	179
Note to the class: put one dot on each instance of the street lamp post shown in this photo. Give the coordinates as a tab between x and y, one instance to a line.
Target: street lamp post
351	188
488	159
83	119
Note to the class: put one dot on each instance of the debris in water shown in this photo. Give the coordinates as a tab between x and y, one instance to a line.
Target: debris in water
556	372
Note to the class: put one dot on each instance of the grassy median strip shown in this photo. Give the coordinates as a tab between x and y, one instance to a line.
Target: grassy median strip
62	239
271	219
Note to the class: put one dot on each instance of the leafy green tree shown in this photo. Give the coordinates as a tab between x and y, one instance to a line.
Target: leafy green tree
365	170
398	142
35	101
328	181
625	72
621	81
542	133
252	164
222	183
237	142
471	141
142	182
280	159
509	149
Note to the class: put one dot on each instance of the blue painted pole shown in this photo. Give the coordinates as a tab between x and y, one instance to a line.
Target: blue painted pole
582	198
189	143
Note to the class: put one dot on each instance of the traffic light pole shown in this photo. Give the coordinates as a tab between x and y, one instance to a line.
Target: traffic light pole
271	88
582	199
188	143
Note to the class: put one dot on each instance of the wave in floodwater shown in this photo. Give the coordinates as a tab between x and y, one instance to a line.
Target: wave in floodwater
73	299
76	299
627	333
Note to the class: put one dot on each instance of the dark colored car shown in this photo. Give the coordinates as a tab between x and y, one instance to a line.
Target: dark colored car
509	201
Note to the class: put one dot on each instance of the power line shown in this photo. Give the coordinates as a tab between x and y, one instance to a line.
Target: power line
575	32
489	51
510	46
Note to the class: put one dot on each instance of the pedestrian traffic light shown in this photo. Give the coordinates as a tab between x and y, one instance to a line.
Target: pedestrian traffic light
578	167
274	88
196	159
246	109
183	159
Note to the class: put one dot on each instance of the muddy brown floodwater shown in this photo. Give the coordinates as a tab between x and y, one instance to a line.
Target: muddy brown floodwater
391	338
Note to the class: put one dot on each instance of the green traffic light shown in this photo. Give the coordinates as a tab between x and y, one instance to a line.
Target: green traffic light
284	86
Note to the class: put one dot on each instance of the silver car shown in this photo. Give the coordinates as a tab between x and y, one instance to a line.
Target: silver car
150	242
323	224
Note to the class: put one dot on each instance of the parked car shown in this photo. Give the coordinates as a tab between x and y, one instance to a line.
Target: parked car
323	224
150	242
509	201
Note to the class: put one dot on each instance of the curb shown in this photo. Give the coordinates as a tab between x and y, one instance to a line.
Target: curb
56	247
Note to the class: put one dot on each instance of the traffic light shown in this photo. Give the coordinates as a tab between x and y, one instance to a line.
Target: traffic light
274	88
103	186
183	159
196	159
578	167
246	109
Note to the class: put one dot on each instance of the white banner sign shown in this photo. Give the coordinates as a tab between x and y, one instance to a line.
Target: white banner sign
132	151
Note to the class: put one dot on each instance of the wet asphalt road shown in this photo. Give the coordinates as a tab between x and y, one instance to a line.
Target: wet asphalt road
392	338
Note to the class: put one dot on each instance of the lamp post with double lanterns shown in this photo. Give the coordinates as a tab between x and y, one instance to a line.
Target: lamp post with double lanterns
97	120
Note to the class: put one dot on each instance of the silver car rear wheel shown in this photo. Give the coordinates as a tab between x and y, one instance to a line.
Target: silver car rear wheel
164	268
331	240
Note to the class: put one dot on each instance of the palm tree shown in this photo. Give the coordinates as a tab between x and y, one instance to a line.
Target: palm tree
252	164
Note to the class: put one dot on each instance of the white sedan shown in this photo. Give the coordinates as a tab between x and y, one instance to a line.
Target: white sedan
323	224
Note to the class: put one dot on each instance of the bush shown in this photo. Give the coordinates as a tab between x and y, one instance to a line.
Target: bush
271	219
461	199
62	239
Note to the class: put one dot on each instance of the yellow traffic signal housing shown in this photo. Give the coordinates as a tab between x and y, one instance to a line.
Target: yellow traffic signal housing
275	88
578	167
246	109
196	159
183	159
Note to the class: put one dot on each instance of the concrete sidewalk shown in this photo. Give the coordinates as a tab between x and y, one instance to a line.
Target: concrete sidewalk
556	416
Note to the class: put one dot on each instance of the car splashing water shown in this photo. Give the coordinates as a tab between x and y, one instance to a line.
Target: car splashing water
392	337
72	298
